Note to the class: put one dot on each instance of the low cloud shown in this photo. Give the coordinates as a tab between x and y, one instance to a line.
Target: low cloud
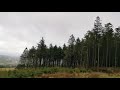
25	29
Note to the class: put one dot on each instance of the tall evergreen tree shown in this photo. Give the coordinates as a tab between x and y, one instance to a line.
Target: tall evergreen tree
100	47
32	57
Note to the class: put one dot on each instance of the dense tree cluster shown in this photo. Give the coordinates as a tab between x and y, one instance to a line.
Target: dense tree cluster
100	47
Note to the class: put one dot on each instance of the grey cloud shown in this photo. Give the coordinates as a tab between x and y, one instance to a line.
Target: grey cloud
24	29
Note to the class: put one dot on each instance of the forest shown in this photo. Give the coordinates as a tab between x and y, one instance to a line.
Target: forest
100	47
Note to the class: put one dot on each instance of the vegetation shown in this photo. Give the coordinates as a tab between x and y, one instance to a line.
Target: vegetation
100	47
94	56
56	72
4	72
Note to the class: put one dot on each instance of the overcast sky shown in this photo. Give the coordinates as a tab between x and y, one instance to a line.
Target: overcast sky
25	29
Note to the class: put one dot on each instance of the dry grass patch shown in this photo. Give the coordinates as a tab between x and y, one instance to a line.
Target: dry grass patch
6	69
70	75
80	75
57	75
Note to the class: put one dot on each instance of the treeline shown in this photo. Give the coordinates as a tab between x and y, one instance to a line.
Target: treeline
8	66
100	47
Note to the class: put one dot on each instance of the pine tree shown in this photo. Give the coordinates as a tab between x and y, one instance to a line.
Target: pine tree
32	57
23	63
109	35
41	52
97	32
100	47
77	52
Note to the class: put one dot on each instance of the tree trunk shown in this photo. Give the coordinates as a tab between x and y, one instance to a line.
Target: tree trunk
95	57
115	54
107	54
81	59
98	55
87	58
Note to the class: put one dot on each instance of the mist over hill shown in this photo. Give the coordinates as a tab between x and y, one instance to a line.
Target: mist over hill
9	60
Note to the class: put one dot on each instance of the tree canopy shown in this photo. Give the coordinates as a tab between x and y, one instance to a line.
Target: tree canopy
100	47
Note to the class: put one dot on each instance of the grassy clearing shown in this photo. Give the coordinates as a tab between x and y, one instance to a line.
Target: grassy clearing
6	69
80	75
4	72
57	72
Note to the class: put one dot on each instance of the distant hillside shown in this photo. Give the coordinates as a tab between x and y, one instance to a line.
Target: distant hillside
8	60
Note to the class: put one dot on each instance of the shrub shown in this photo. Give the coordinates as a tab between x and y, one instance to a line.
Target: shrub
83	70
77	70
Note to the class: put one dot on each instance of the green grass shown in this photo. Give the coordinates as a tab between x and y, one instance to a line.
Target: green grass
59	72
4	74
31	72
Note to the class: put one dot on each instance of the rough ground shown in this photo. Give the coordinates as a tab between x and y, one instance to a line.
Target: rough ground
80	75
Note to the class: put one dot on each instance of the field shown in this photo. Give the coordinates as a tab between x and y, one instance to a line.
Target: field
4	72
56	72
